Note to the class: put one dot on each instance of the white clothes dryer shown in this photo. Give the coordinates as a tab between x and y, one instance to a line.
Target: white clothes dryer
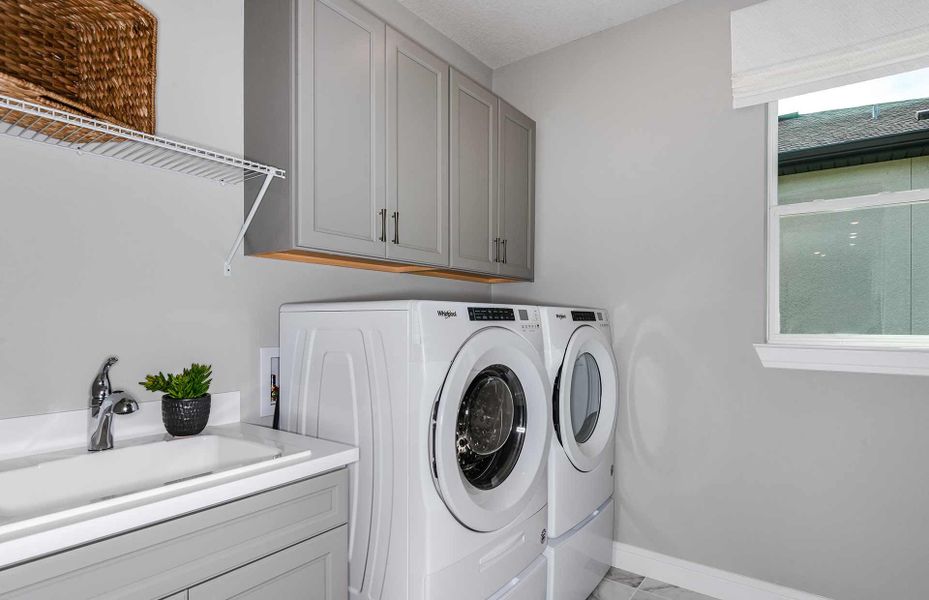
448	404
580	363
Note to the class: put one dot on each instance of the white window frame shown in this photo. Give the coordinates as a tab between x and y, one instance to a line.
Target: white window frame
903	354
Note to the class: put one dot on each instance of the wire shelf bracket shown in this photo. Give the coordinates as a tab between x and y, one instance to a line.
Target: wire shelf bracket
36	123
227	266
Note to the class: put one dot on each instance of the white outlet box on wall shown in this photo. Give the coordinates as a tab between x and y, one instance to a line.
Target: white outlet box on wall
269	378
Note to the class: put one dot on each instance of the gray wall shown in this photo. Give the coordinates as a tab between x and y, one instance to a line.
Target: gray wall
101	257
651	203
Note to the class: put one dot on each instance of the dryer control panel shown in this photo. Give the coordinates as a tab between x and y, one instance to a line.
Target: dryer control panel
587	315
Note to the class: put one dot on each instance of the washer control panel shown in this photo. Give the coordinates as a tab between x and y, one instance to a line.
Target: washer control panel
529	319
486	313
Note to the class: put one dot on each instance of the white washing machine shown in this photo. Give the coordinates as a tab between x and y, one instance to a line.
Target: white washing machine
580	362
449	406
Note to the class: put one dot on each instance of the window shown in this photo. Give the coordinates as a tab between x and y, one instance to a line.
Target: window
848	216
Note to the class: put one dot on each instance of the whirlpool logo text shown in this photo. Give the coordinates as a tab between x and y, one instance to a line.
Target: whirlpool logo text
448	314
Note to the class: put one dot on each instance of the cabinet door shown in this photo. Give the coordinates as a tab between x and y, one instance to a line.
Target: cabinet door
340	128
316	569
473	175
417	153
177	596
516	192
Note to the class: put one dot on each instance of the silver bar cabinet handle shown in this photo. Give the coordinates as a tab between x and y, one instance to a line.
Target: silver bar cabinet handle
504	251
396	217
383	214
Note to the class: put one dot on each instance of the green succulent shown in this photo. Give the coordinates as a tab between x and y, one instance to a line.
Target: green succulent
190	383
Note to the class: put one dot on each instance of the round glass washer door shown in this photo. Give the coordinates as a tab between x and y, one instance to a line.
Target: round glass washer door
491	429
586	395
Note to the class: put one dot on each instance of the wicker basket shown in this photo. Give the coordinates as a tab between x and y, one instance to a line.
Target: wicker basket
17	88
90	57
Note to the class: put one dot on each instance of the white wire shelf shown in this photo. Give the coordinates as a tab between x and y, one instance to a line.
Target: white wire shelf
36	123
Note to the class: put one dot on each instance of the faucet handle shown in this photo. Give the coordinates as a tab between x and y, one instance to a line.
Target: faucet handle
100	388
123	403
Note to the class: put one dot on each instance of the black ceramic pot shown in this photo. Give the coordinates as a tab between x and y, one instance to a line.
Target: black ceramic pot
185	417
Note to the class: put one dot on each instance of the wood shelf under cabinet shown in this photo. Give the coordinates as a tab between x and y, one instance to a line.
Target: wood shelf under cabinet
370	264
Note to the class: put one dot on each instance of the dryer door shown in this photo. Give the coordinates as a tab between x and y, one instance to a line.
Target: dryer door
490	429
585	399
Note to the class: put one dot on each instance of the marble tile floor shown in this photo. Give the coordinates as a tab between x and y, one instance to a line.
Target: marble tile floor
623	585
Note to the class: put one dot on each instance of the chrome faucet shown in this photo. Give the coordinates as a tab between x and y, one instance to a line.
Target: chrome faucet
104	403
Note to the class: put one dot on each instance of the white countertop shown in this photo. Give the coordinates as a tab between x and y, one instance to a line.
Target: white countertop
300	457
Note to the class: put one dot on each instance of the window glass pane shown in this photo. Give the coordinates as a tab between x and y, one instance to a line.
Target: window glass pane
893	176
920	275
852	272
865	271
855	140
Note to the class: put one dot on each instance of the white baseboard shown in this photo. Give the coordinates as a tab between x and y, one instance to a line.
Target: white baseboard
700	578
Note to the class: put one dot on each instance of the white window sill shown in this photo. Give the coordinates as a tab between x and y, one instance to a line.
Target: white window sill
849	359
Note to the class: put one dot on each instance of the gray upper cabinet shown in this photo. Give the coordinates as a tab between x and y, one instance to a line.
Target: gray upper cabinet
473	175
492	172
340	127
417	153
516	192
315	105
394	160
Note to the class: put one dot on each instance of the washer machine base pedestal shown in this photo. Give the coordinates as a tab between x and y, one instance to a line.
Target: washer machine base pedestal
528	585
579	559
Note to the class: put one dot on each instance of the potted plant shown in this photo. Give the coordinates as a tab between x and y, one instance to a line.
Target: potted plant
185	406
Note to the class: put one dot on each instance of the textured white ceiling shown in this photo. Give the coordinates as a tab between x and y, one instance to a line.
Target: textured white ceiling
499	32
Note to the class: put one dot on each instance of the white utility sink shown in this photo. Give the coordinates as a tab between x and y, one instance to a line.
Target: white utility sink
63	483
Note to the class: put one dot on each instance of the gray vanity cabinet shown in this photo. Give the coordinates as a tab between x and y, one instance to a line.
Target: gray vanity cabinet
515	192
288	543
417	153
473	175
316	569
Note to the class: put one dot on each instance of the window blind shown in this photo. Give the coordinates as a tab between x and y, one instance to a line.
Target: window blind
784	48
